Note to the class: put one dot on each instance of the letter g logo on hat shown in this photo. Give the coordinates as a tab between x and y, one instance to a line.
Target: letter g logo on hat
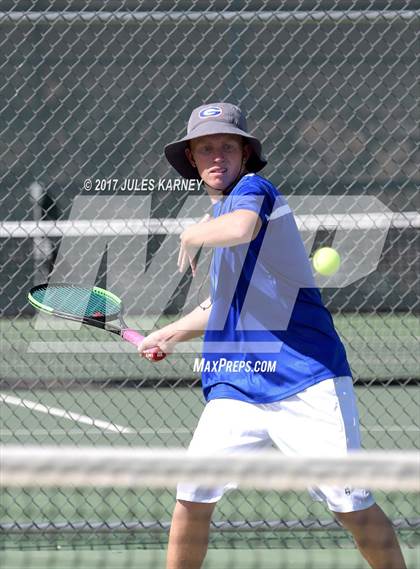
210	112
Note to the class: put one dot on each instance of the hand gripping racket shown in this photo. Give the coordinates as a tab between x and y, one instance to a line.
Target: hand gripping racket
92	306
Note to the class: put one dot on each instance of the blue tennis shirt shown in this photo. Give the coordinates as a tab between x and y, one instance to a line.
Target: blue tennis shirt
269	334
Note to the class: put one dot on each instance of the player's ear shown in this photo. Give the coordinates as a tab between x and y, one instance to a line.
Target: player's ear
246	153
190	157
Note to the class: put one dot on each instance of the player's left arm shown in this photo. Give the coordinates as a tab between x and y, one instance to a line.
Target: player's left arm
235	228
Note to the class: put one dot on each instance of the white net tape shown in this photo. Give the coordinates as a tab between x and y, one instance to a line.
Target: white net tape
32	466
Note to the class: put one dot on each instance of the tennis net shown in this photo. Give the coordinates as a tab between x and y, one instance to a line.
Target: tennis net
42	483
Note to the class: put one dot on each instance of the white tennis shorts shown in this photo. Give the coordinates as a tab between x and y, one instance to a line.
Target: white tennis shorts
322	420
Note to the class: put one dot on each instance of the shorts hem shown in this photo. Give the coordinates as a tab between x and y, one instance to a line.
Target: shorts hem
192	498
353	508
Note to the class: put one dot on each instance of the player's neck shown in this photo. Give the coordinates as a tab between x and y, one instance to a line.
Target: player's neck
217	195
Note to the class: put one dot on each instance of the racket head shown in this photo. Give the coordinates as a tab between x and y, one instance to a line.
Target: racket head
93	305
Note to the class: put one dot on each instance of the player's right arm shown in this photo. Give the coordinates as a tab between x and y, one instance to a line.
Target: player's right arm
186	328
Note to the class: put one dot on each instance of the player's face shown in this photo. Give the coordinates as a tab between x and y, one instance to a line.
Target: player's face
219	158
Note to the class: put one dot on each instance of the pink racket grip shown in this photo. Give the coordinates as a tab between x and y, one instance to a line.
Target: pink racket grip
154	354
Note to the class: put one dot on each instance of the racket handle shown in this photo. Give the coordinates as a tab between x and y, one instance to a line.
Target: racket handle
154	354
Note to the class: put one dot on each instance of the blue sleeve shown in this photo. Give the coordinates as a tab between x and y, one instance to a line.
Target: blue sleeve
253	193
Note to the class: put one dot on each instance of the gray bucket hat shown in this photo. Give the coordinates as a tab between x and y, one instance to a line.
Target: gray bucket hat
214	118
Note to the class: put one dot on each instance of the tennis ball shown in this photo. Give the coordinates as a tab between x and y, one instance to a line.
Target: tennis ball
326	261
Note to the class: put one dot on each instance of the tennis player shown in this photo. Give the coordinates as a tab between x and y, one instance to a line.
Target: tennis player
274	369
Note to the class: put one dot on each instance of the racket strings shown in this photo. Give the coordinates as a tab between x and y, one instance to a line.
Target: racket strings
77	301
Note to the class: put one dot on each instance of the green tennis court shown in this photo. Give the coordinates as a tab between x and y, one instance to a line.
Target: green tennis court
216	559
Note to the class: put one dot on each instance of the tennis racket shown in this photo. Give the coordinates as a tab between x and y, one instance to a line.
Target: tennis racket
92	306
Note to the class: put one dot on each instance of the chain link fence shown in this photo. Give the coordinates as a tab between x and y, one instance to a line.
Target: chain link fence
90	96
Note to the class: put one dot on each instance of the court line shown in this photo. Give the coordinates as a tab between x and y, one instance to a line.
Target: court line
76	417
